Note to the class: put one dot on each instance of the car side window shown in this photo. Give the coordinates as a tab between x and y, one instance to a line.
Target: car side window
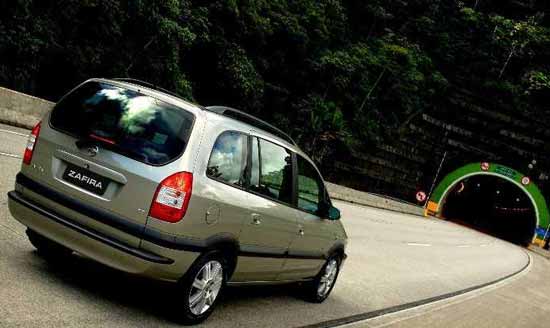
311	190
271	174
229	158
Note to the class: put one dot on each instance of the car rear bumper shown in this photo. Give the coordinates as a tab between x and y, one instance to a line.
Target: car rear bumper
155	261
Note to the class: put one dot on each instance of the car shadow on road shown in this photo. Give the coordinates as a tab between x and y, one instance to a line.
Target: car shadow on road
145	296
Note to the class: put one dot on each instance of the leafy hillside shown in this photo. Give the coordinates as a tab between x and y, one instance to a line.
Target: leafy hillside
337	74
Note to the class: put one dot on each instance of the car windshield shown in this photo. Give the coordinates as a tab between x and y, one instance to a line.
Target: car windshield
126	121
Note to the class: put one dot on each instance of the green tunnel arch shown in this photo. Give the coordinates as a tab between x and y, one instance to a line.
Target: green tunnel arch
435	203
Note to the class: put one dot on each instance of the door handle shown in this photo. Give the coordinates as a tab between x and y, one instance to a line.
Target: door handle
256	219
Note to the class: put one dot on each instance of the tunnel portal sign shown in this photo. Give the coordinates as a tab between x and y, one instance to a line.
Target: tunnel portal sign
420	196
485	166
506	171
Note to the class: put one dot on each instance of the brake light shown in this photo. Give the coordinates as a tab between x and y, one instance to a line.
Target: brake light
109	141
31	143
172	197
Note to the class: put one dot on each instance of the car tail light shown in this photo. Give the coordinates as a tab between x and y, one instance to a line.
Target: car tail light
172	197
31	143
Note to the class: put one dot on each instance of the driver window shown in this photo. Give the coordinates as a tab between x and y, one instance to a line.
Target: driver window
310	187
271	174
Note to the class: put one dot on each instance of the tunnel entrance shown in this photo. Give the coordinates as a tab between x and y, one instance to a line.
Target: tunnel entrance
492	205
486	210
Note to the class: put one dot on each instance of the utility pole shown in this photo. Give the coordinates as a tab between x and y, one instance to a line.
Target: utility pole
445	140
435	179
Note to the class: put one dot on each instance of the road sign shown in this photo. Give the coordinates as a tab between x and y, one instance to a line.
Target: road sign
485	166
420	196
525	181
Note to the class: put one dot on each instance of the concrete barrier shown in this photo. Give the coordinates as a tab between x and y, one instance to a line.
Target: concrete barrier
21	110
364	198
25	111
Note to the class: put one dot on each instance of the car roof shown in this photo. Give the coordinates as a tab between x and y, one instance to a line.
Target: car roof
251	120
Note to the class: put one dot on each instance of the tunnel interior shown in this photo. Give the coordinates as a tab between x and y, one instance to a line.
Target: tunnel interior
494	206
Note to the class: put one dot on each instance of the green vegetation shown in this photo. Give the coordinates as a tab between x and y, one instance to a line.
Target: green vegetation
334	73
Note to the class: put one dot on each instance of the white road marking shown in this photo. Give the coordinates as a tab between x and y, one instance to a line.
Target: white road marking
419	244
464	246
13	132
9	155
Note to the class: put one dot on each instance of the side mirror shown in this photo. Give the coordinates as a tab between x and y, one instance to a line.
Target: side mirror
333	213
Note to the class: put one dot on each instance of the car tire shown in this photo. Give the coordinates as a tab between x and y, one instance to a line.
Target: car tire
318	290
47	248
201	288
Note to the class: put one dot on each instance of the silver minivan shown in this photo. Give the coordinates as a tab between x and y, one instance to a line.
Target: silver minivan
142	181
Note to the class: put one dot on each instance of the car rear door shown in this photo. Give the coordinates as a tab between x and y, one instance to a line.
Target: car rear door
271	223
101	154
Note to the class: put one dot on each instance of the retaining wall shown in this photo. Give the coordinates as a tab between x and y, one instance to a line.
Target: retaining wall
20	109
364	198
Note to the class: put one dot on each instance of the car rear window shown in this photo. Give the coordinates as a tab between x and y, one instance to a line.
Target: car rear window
126	121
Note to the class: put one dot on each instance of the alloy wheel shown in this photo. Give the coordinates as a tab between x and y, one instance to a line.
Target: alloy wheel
206	287
328	278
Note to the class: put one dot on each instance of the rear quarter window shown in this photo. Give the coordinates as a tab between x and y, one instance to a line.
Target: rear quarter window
229	158
125	121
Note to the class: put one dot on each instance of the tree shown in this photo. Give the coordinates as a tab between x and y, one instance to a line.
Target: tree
344	74
514	35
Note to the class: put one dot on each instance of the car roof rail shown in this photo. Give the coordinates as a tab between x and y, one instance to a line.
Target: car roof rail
146	84
252	120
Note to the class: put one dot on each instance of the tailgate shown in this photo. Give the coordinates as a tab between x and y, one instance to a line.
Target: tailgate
108	147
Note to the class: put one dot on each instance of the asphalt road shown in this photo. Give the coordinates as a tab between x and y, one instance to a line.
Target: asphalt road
393	259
